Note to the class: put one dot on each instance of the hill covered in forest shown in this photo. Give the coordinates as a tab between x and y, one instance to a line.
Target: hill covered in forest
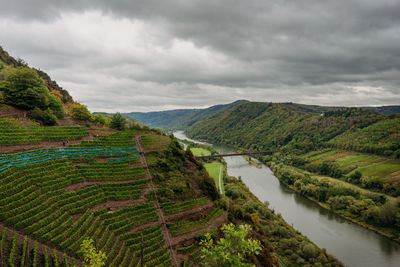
346	159
291	127
179	118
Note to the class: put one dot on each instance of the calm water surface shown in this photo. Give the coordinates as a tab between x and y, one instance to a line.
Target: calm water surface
350	243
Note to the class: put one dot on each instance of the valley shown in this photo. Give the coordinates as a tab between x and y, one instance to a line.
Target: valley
328	230
321	189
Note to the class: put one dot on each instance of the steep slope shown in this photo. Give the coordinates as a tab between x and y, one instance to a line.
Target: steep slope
7	62
293	127
380	138
318	155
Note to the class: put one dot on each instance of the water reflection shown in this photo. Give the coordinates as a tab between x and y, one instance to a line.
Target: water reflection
352	244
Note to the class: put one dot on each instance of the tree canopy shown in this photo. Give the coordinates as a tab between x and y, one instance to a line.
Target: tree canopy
92	257
117	121
232	249
23	88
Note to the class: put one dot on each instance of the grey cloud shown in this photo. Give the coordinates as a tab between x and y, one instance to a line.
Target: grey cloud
306	50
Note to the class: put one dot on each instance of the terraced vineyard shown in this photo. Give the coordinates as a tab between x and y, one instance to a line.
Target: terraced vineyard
101	190
154	142
13	131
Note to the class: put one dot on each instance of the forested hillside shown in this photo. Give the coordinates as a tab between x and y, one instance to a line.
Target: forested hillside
346	159
7	63
289	127
179	118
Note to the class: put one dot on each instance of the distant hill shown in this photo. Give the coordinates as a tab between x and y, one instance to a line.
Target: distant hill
386	110
179	118
295	127
167	118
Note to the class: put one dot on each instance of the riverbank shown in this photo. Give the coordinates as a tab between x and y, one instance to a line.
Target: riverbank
243	205
354	245
278	173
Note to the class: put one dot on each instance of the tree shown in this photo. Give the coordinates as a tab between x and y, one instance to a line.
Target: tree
23	88
117	121
99	119
232	249
45	116
92	257
56	106
387	214
310	251
80	112
356	176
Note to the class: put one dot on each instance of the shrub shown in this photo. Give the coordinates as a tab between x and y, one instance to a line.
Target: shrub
80	112
99	119
233	192
387	214
250	206
56	106
310	251
46	117
356	176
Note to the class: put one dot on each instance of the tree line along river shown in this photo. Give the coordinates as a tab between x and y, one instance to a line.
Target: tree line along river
354	245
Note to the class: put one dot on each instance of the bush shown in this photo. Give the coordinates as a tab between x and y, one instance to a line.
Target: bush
355	177
330	169
310	251
80	112
99	119
46	117
250	206
372	182
233	192
387	214
56	106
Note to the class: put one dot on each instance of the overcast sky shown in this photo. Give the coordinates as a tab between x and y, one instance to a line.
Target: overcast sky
144	55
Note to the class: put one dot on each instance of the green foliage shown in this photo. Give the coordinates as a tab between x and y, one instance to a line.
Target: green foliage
23	88
118	121
287	127
310	251
92	257
388	214
46	258
12	261
232	249
356	176
381	138
45	116
3	245
56	106
79	112
14	132
99	119
25	251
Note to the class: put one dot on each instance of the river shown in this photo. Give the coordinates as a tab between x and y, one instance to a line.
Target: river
354	245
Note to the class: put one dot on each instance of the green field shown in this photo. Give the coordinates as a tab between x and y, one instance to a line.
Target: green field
213	171
197	151
381	169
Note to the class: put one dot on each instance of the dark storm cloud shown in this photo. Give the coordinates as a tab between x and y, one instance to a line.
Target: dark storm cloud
170	54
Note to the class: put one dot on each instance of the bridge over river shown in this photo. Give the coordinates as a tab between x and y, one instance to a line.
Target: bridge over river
236	154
